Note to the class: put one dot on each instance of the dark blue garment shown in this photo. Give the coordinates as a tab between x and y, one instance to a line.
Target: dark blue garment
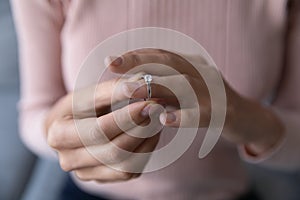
251	195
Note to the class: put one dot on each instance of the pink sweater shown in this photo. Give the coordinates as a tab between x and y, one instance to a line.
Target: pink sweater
245	38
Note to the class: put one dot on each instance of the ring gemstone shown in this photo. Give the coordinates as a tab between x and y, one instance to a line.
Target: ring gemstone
148	78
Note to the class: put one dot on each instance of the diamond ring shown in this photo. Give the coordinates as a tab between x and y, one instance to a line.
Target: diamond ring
148	78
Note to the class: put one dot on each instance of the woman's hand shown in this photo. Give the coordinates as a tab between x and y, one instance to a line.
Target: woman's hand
85	142
247	122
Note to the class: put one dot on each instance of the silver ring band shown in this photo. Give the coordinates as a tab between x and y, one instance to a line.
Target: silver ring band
148	78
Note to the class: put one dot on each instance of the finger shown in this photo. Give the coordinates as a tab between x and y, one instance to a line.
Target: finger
98	155
63	134
185	118
84	102
148	145
169	88
96	100
135	58
69	133
103	174
72	159
119	149
137	162
125	119
91	156
124	63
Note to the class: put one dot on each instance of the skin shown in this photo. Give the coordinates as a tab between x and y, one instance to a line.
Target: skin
247	122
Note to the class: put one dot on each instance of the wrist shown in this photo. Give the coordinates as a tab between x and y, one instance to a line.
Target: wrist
270	131
253	125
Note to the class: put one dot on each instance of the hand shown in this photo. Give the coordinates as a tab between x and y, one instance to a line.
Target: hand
247	122
76	134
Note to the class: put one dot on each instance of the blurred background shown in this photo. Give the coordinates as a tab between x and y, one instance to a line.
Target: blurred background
26	177
22	175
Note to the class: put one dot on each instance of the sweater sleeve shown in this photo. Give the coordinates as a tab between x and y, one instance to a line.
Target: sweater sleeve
285	155
38	24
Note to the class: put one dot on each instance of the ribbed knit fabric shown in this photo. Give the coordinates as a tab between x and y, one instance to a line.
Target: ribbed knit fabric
245	38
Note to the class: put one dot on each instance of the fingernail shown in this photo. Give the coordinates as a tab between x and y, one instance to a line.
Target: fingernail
145	112
113	60
129	88
167	118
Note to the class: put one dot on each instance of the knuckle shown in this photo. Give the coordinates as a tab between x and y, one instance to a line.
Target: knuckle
82	176
166	57
54	135
97	133
66	166
136	59
103	127
114	155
